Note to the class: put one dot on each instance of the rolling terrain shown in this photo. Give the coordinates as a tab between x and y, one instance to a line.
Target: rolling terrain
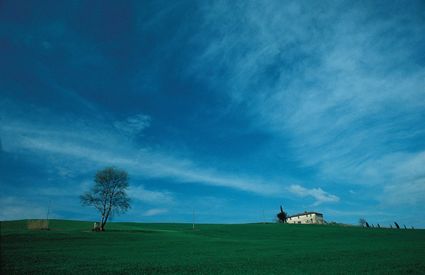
71	247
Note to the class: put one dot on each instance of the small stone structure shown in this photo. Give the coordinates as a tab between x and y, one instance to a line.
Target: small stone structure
96	226
306	218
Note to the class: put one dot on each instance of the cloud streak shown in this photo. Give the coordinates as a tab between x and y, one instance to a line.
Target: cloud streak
134	125
13	208
154	212
317	193
97	144
154	197
344	90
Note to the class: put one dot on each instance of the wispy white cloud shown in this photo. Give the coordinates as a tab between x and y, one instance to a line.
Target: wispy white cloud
13	208
410	193
317	193
155	212
134	125
345	93
95	144
73	190
156	197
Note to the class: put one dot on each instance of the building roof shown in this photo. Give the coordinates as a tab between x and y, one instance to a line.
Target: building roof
305	213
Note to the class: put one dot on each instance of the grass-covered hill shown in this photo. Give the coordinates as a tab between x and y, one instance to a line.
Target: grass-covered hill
71	247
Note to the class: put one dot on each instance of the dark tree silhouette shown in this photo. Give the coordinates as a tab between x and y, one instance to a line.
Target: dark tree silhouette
362	222
396	225
378	225
108	195
282	216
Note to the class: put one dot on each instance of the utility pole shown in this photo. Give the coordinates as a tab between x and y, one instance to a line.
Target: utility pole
48	210
193	218
47	216
264	217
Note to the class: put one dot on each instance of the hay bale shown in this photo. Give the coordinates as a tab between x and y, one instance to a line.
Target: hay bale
38	224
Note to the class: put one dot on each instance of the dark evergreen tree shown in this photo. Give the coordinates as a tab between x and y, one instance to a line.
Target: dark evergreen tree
282	216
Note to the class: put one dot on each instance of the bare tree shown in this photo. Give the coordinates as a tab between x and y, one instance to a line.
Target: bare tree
362	222
108	195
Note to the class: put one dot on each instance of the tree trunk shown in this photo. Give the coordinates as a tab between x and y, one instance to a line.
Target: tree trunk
104	220
102	225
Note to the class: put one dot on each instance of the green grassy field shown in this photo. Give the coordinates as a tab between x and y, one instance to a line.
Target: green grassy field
70	247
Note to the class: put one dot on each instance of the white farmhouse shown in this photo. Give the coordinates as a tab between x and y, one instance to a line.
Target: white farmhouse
306	218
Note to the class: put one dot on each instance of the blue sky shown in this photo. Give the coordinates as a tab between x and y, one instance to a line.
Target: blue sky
227	108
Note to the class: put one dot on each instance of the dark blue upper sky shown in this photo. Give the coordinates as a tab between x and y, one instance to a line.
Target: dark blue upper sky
230	108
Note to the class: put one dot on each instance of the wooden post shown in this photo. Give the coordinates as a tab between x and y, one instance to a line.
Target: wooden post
193	219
